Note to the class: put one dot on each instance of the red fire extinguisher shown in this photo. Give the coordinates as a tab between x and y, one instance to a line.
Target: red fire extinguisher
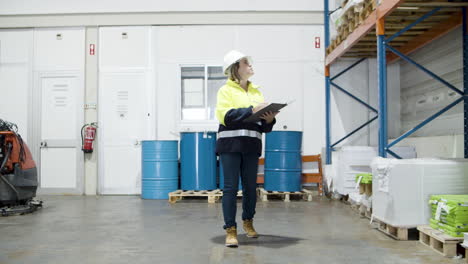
88	134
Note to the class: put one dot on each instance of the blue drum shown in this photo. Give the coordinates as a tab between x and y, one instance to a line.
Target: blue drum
198	161
159	165
283	161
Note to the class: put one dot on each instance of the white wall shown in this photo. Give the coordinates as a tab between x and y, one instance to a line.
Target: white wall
351	113
8	7
348	114
174	46
287	66
450	146
292	46
16	77
422	96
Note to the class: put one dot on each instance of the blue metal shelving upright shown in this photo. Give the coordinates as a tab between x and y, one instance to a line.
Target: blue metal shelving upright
326	17
465	80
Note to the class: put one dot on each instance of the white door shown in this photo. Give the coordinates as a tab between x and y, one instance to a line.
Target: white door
58	94
60	153
125	103
122	126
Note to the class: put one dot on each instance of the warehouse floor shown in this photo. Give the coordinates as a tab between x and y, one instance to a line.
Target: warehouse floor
126	229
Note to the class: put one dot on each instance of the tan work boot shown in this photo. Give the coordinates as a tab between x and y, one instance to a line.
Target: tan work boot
248	227
231	237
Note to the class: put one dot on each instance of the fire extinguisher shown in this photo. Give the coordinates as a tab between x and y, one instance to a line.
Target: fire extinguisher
88	134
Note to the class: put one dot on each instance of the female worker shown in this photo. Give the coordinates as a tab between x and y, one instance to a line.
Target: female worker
239	143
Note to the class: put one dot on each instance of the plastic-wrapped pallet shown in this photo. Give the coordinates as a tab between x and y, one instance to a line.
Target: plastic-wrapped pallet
352	160
449	214
401	188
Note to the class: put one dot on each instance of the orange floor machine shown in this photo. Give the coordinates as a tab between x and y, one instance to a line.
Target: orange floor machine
18	173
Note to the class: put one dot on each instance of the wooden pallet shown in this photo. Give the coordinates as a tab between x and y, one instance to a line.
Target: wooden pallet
439	241
213	196
398	233
466	251
365	11
305	194
357	14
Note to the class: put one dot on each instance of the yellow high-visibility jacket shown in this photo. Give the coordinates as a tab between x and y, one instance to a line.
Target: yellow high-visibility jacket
232	96
234	104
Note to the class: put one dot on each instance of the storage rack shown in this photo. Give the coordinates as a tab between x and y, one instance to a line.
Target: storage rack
412	24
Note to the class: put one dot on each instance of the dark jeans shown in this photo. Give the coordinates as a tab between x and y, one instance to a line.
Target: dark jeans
245	165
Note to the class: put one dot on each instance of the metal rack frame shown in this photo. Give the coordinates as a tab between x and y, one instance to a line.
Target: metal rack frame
377	20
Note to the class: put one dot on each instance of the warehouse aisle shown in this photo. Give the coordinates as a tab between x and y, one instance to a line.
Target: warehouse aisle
126	229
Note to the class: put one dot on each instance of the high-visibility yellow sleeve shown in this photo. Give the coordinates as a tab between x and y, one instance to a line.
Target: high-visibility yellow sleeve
223	104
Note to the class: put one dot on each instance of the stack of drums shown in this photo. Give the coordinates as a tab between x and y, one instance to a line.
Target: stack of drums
159	168
283	161
198	161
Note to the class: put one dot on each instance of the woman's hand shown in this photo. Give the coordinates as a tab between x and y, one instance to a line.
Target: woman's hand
269	116
259	107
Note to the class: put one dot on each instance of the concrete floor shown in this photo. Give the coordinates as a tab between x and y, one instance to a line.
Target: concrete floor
126	229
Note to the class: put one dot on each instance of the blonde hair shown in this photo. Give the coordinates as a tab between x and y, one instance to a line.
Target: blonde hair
233	73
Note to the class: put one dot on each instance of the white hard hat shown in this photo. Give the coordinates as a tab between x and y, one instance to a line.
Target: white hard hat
232	57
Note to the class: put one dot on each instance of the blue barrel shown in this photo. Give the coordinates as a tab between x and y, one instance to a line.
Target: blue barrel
198	161
283	161
221	178
159	168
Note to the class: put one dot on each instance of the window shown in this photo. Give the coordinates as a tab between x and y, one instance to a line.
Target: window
200	84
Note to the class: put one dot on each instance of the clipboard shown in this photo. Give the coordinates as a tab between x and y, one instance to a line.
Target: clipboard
273	107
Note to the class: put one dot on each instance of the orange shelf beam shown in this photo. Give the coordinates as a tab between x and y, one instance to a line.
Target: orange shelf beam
422	40
385	8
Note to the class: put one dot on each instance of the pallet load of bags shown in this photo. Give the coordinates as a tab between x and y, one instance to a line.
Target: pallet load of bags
449	214
401	188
